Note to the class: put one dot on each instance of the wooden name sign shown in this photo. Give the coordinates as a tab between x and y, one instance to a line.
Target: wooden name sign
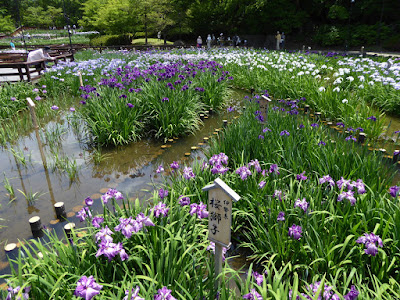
220	197
264	103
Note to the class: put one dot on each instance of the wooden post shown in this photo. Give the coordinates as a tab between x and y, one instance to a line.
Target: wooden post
220	197
396	156
264	103
80	78
318	116
68	229
31	105
361	137
306	109
36	226
225	123
60	210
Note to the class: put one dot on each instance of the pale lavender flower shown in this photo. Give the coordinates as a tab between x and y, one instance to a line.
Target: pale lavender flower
278	194
87	288
244	172
126	227
160	209
199	209
104	234
352	295
89	201
72	109
13	292
160	169
111	193
134	294
372	118
54	107
284	132
162	193
188	173
359	184
38	98
183	201
301	176
256	164
164	294
174	165
281	216
96	221
327	179
303	204
370	240
274	169
344	183
13	98
266	129
295	232
261	184
394	191
259	278
84	213
110	250
212	247
145	221
35	90
253	295
349	195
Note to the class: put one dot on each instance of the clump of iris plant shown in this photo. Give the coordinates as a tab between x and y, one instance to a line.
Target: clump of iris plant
295	232
164	294
15	293
328	293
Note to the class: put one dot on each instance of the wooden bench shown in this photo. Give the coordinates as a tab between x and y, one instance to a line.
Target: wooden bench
18	65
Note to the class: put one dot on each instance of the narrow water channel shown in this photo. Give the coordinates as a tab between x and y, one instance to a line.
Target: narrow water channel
130	169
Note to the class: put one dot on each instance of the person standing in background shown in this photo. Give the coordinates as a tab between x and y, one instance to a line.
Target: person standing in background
12	45
209	40
199	42
283	40
278	39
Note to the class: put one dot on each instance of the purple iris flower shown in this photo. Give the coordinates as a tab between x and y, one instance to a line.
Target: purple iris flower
71	109
87	288
89	201
104	234
344	183
111	193
301	126
278	194
130	105
301	176
230	109
260	137
164	294
350	137
54	107
347	195
128	226
261	184
327	179
314	125
212	247
218	159
160	209
38	98
359	184
274	169
284	132
256	164
188	173
199	209
166	99
174	165
281	216
352	295
96	221
373	118
13	98
160	169
134	294
84	213
259	278
110	250
253	295
394	191
340	124
370	240
295	232
145	221
303	204
162	193
122	96
13	292
244	172
266	129
183	201
321	143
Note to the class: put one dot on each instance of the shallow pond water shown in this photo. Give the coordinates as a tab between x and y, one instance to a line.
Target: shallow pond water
130	169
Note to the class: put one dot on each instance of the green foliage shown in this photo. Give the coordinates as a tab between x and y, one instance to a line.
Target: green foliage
111	40
6	24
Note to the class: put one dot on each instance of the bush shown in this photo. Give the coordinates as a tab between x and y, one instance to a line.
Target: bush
392	43
111	40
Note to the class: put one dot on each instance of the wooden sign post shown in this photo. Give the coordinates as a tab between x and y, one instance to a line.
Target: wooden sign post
264	103
80	78
31	105
220	197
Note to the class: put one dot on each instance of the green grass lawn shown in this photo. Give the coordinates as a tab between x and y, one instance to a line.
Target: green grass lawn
150	41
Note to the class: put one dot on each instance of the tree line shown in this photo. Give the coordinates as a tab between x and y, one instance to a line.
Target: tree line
328	22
